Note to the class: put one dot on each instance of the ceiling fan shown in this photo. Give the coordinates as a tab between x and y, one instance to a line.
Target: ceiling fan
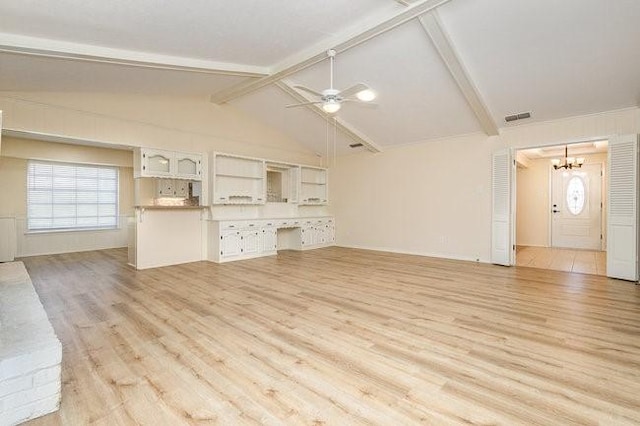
331	99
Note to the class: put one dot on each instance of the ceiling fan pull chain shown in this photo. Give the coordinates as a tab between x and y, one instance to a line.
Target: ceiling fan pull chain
326	152
335	137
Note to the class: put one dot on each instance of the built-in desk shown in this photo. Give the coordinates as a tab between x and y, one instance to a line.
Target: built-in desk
248	238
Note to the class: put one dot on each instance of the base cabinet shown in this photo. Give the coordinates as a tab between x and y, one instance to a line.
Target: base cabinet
251	243
240	243
269	240
230	244
235	240
316	233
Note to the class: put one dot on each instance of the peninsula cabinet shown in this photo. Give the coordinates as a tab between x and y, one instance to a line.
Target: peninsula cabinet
245	239
160	163
165	235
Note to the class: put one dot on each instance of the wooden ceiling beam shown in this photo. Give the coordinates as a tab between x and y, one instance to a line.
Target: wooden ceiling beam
34	46
344	127
318	53
432	25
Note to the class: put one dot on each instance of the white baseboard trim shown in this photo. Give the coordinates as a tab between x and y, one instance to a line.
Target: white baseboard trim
415	253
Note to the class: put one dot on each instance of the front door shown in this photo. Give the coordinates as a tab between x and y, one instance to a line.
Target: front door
576	211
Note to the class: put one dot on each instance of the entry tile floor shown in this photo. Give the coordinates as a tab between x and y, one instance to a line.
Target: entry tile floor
560	259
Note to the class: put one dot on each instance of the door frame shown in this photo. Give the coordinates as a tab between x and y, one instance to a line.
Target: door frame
513	193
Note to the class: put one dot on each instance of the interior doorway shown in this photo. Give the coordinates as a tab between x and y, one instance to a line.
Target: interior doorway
576	209
560	212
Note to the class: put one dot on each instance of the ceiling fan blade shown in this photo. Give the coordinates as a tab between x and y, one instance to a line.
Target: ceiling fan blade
353	90
306	89
303	104
362	103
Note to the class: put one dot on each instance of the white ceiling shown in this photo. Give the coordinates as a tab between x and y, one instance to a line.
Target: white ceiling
573	150
555	59
254	32
33	73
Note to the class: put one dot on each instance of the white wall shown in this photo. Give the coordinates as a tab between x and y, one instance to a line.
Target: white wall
428	199
532	203
434	198
181	124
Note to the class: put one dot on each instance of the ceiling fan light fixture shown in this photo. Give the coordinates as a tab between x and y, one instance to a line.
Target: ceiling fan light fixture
366	95
331	106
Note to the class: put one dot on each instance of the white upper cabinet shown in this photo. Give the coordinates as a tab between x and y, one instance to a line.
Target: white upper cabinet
238	180
245	180
188	166
313	186
161	163
156	163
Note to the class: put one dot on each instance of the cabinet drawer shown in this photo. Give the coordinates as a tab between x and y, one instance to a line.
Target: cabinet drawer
230	226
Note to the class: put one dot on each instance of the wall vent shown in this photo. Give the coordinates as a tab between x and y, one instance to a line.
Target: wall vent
519	116
355	145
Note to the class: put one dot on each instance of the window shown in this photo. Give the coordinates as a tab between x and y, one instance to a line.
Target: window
575	195
71	196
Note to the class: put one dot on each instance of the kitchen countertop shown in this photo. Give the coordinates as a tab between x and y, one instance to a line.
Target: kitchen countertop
273	218
156	207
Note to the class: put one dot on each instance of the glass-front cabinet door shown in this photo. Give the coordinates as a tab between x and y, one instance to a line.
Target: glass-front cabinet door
189	166
157	163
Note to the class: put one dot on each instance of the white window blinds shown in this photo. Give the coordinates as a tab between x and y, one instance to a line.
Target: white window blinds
71	196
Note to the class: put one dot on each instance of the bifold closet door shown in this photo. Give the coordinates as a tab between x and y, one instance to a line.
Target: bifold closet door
501	215
622	221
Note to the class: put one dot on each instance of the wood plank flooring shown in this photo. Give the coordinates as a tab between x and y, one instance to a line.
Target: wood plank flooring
339	337
562	259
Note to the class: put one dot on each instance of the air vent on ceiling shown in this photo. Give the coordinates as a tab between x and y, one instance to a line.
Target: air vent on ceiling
515	117
355	145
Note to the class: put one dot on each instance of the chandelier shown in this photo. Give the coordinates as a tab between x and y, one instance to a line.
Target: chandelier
567	162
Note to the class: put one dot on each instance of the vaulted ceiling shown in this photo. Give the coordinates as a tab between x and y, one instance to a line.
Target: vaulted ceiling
440	67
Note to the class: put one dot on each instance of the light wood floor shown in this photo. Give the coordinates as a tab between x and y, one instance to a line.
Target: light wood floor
561	259
338	337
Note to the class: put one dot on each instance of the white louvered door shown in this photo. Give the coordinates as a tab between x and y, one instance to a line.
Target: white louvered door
501	217
622	223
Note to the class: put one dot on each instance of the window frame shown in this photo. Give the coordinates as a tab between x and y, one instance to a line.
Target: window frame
75	227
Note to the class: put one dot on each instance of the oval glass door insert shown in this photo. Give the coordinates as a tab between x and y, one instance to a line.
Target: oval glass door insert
575	195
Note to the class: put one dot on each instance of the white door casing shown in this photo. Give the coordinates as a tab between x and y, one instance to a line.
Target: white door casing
576	211
502	250
622	200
